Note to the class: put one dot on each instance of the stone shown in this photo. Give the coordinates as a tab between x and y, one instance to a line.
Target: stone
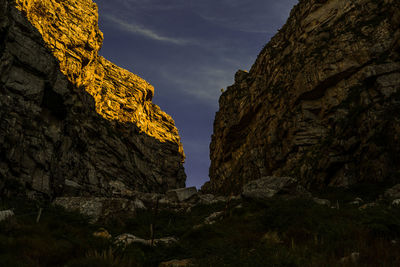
73	123
368	205
5	214
177	263
240	206
323	202
393	192
72	183
100	207
353	258
211	219
206	199
319	103
272	237
138	204
267	187
127	239
214	217
181	194
220	199
357	201
396	202
102	233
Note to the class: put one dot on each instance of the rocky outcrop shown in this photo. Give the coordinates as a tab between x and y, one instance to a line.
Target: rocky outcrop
104	208
182	194
97	208
321	102
393	192
127	239
177	263
72	123
268	187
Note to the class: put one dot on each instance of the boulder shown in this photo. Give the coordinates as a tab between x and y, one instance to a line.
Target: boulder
206	199
396	202
270	186
368	205
5	214
357	201
272	237
214	217
99	207
211	219
127	239
177	263
102	233
324	202
353	258
182	194
393	193
209	199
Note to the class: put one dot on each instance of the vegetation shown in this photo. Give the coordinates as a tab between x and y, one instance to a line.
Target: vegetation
278	232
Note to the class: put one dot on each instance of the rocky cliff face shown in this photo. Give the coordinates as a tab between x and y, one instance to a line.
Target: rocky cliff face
321	102
71	122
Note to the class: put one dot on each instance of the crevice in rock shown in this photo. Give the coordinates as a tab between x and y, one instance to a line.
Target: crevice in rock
54	102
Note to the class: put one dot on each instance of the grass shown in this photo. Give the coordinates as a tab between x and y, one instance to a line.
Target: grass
278	232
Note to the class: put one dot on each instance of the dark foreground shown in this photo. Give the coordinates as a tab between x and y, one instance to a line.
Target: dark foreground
278	232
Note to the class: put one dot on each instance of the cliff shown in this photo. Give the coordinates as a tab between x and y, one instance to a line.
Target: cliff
321	103
71	122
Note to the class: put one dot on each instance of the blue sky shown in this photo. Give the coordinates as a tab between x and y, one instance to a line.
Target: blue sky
188	50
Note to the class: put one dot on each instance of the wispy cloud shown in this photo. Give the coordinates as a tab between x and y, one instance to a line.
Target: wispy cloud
153	4
204	83
258	16
140	30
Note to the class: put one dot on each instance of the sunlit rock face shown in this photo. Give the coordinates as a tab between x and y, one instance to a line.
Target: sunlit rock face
71	122
70	30
321	103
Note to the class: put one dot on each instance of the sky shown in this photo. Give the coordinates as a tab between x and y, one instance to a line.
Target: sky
189	50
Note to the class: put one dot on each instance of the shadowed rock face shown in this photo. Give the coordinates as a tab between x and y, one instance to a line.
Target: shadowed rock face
321	103
72	123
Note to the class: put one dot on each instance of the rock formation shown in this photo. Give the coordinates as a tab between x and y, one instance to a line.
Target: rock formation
321	103
71	122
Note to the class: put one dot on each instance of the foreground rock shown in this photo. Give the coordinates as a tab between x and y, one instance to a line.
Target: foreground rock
127	239
320	103
353	258
102	233
96	208
267	187
5	214
396	202
393	192
100	208
73	123
322	202
182	194
214	217
177	263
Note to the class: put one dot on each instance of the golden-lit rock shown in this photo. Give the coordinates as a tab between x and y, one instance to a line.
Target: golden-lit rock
70	29
72	123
